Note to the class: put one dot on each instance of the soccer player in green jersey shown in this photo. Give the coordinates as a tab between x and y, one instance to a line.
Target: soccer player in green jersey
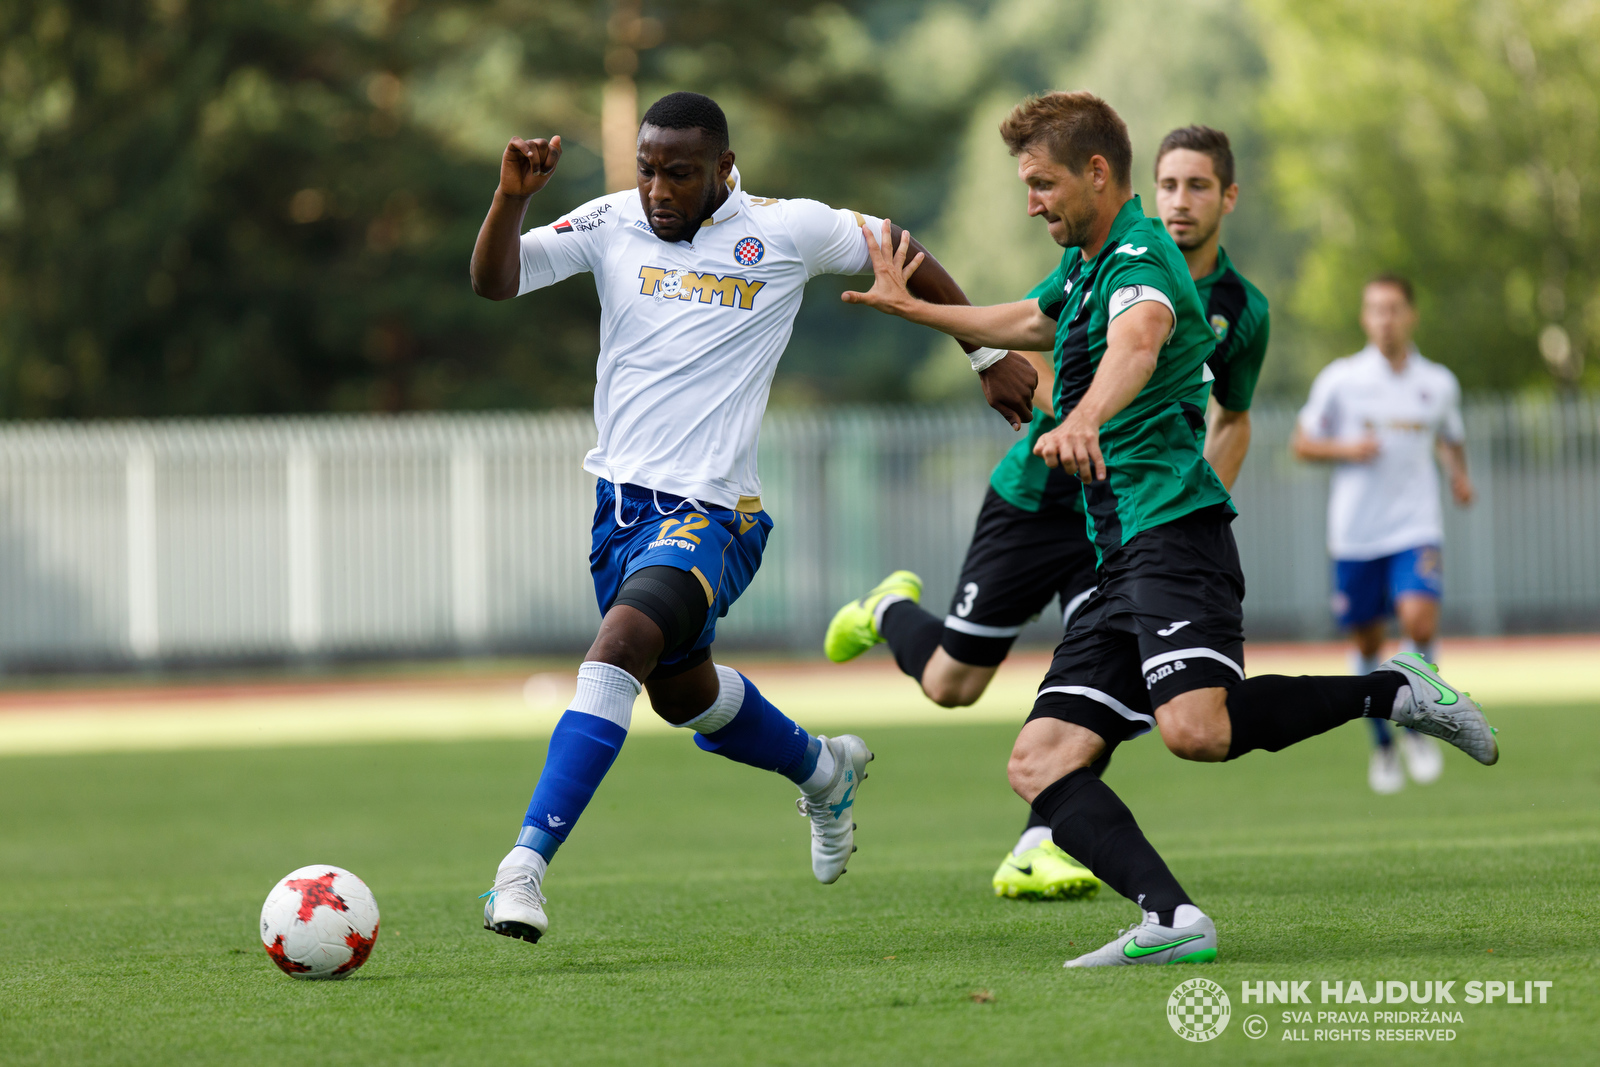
1030	545
1160	642
1194	189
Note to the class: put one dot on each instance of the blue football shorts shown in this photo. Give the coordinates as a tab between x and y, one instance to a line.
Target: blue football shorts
720	546
1366	589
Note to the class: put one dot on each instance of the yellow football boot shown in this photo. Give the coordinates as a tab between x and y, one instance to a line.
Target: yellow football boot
852	631
1044	873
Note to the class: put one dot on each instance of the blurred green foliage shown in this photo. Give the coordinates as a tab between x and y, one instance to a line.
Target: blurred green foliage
268	205
1454	141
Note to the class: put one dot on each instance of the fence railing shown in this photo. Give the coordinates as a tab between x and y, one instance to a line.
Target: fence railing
428	534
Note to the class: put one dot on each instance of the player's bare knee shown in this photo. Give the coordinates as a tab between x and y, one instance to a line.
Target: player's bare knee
1190	743
1195	725
1021	773
951	692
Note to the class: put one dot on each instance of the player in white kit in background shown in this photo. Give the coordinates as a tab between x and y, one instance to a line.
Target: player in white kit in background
1383	415
699	283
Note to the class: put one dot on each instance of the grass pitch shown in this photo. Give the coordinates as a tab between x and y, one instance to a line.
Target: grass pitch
686	927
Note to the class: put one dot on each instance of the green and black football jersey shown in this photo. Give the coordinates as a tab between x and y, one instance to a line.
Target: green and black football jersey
1155	471
1237	314
1021	478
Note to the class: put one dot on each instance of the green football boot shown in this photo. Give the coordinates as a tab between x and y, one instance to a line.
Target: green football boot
1044	873
852	631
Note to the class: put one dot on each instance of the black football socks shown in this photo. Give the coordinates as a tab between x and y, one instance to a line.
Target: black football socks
911	634
1087	820
1274	711
1098	768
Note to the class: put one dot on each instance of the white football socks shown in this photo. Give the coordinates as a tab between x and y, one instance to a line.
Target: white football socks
1031	838
820	777
527	859
730	698
884	605
1183	915
607	691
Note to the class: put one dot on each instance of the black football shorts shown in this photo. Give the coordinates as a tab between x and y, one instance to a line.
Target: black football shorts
1017	563
1165	618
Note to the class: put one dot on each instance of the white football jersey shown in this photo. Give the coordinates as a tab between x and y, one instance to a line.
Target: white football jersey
691	332
1392	503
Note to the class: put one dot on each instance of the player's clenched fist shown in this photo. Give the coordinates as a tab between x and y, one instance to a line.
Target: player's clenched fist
527	165
1073	446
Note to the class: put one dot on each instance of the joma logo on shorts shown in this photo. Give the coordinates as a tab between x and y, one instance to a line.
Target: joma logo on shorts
684	284
1163	671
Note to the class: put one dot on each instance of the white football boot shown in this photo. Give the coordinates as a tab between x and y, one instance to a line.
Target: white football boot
515	907
1432	706
1424	757
832	808
1150	942
1383	771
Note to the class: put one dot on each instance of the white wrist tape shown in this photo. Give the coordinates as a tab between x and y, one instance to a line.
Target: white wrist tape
984	358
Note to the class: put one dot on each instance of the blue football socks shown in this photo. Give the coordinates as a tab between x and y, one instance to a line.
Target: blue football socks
582	748
744	726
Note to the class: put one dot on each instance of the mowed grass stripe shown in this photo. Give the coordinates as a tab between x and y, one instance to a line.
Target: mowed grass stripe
686	927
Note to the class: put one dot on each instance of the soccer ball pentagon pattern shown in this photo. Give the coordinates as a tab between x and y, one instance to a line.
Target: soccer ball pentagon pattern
319	922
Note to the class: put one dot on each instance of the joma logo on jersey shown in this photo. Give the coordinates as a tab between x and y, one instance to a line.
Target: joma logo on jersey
685	284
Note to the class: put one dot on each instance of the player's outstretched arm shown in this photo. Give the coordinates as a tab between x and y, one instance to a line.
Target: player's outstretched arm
525	167
1009	382
1020	326
1133	342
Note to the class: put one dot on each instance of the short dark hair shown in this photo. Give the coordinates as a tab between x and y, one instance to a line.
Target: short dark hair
687	111
1213	143
1399	281
1075	127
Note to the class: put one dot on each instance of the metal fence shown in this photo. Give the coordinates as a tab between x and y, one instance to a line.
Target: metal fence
234	539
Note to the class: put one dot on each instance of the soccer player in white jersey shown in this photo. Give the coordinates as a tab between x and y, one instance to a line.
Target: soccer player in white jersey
1382	415
699	283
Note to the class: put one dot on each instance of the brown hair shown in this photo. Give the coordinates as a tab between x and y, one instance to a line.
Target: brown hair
1213	143
1399	281
1075	127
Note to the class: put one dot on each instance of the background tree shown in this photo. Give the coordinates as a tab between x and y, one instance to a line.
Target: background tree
268	205
1450	140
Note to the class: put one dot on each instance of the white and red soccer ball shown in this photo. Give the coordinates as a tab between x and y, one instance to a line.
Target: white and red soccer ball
319	922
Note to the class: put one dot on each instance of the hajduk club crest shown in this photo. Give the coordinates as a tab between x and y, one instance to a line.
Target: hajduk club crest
748	252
